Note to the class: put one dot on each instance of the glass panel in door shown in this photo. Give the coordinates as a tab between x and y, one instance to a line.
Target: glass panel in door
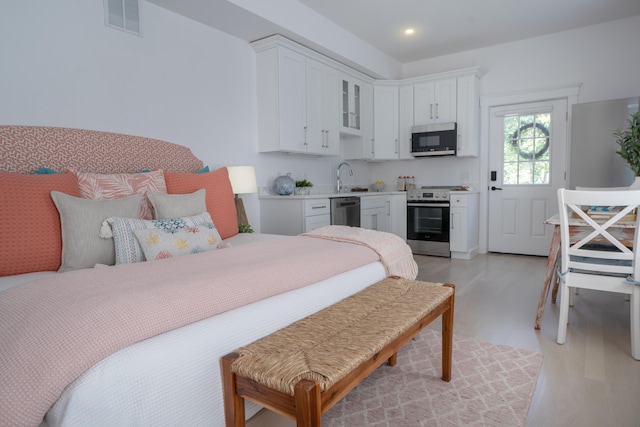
345	104
356	107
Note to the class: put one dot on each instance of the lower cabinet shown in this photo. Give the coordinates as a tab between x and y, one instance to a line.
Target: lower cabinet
463	225
398	214
290	217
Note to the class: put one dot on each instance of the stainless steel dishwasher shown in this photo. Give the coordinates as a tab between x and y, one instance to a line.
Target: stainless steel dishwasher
345	211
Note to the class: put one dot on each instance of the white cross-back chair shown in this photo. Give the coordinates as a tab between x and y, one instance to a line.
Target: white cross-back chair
590	264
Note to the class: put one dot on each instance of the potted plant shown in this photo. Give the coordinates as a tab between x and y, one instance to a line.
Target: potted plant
629	142
303	187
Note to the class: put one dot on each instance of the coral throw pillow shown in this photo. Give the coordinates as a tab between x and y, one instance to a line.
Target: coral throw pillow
219	196
120	185
30	226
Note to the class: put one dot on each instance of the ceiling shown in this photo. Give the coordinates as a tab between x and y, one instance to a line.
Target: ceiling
444	27
441	27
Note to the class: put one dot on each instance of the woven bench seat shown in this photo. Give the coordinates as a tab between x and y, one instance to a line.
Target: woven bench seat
305	368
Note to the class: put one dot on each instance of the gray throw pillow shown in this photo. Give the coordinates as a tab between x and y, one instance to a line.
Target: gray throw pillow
81	220
178	205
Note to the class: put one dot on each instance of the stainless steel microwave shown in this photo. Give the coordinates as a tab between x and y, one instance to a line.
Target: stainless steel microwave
439	139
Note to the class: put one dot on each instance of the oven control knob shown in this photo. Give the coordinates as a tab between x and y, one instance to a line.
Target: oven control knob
436	195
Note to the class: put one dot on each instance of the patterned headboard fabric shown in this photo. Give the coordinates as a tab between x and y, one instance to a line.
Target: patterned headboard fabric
24	149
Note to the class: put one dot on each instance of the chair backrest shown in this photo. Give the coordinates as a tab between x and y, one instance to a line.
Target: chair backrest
602	188
599	248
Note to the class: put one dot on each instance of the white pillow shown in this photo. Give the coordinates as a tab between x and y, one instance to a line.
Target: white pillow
159	244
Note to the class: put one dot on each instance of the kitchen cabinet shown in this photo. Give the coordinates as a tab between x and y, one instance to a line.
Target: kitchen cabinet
385	122
322	109
298	103
463	224
405	121
291	216
351	102
468	116
435	101
397	214
281	86
361	147
374	212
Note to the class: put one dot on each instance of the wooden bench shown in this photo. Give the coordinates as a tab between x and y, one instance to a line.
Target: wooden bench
302	370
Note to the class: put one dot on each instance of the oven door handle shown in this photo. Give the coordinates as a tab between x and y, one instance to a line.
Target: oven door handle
427	205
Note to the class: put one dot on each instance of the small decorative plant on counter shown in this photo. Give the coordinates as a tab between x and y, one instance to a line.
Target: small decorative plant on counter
245	228
303	187
629	142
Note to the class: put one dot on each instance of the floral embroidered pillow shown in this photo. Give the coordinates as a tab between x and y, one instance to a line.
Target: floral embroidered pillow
127	248
119	185
159	244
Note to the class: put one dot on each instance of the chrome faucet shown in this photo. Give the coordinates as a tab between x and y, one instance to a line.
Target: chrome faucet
338	182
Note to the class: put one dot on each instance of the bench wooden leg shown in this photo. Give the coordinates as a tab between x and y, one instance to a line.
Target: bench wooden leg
447	340
308	403
233	404
393	359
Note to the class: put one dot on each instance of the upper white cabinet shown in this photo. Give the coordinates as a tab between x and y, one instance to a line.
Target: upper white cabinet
468	116
322	109
311	104
405	121
351	103
282	101
385	122
298	100
435	102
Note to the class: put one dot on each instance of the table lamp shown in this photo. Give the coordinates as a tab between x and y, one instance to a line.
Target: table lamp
243	181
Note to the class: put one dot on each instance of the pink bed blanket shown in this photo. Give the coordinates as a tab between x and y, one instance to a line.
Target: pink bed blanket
52	330
394	253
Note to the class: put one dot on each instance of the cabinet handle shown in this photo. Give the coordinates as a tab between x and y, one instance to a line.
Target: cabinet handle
436	110
327	137
388	207
374	226
431	111
452	223
305	135
319	207
396	144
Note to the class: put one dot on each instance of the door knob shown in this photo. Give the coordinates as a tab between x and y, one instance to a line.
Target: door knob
494	188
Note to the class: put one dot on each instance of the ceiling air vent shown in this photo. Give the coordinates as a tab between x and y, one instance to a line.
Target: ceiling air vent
122	15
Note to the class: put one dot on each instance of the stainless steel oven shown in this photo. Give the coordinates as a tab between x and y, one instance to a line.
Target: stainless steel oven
428	220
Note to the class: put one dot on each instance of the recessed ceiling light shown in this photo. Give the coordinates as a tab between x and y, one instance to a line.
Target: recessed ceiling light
408	31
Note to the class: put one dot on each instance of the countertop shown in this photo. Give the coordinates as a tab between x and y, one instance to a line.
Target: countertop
332	195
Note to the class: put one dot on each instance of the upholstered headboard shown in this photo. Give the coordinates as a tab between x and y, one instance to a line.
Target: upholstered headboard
24	149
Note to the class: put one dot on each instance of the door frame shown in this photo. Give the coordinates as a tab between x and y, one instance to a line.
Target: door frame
570	93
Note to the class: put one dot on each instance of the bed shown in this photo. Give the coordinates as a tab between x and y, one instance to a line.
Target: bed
141	345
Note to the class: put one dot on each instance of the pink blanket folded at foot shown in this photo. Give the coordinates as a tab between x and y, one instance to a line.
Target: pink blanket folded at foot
394	252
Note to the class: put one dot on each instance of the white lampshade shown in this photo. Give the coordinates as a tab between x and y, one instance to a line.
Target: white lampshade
243	179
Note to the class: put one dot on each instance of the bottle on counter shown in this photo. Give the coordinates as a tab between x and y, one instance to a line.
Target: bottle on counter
401	183
409	183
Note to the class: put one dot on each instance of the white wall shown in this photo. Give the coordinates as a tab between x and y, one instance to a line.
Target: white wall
181	82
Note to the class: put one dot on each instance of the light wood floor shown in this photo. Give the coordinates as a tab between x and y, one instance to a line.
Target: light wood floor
592	380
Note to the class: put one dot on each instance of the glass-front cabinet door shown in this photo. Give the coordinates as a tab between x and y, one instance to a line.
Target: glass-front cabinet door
351	106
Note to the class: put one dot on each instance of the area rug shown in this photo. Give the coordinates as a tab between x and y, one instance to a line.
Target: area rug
491	385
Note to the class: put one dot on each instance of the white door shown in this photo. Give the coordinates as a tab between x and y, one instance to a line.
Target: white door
527	145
